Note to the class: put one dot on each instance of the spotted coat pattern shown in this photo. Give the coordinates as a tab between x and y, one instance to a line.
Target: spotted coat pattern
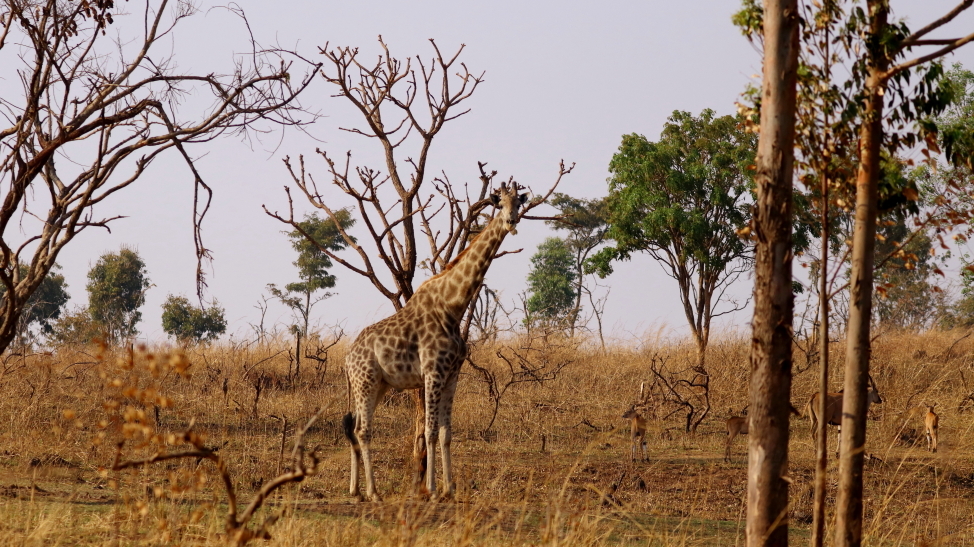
421	347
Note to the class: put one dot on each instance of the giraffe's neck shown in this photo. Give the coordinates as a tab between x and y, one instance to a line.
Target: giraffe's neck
455	288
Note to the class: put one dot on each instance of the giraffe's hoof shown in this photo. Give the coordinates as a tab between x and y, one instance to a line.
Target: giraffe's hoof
375	498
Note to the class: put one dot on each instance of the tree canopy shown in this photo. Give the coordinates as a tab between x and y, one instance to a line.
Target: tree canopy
586	221
188	323
116	290
312	263
311	238
956	123
683	200
551	283
44	305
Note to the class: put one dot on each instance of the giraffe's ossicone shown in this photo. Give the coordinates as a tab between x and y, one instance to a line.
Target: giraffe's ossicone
421	347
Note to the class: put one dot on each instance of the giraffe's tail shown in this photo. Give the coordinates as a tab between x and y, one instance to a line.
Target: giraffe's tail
348	426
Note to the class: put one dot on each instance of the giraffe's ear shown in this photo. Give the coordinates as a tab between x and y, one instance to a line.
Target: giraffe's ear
495	199
523	198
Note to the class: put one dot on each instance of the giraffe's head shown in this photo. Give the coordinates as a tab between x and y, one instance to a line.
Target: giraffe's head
507	199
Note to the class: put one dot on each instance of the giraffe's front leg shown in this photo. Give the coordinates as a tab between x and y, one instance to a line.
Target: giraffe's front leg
434	389
446	433
419	445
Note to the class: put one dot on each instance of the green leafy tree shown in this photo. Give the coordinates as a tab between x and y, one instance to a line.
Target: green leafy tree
74	327
313	238
904	269
585	220
908	297
960	313
956	123
43	306
683	200
551	284
310	239
116	290
188	323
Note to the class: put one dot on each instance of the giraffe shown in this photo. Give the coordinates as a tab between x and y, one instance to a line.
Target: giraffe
420	347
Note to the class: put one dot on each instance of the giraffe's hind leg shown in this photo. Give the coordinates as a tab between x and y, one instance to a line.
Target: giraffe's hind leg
348	425
366	389
363	431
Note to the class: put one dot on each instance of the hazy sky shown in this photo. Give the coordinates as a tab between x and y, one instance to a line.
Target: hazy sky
561	82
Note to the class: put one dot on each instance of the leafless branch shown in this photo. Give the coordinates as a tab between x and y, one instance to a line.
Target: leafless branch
105	113
914	39
403	103
929	57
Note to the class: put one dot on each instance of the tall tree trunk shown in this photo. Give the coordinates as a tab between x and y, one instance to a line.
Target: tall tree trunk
770	389
821	441
297	357
848	531
821	444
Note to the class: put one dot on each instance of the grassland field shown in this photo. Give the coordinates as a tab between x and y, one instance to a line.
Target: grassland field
553	470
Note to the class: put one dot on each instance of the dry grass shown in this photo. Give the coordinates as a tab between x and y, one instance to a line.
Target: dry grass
53	490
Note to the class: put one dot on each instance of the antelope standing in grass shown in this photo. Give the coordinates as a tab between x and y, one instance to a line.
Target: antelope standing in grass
637	431
736	425
931	423
833	409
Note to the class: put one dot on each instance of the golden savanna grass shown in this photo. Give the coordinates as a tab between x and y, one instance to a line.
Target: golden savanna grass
64	412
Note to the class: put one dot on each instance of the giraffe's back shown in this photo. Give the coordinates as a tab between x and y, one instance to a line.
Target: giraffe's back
394	349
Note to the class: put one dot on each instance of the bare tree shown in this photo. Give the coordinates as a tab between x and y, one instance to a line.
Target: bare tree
678	393
538	359
770	389
239	527
403	103
398	99
94	111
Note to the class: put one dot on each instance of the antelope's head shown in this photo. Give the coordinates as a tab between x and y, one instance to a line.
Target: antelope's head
633	412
